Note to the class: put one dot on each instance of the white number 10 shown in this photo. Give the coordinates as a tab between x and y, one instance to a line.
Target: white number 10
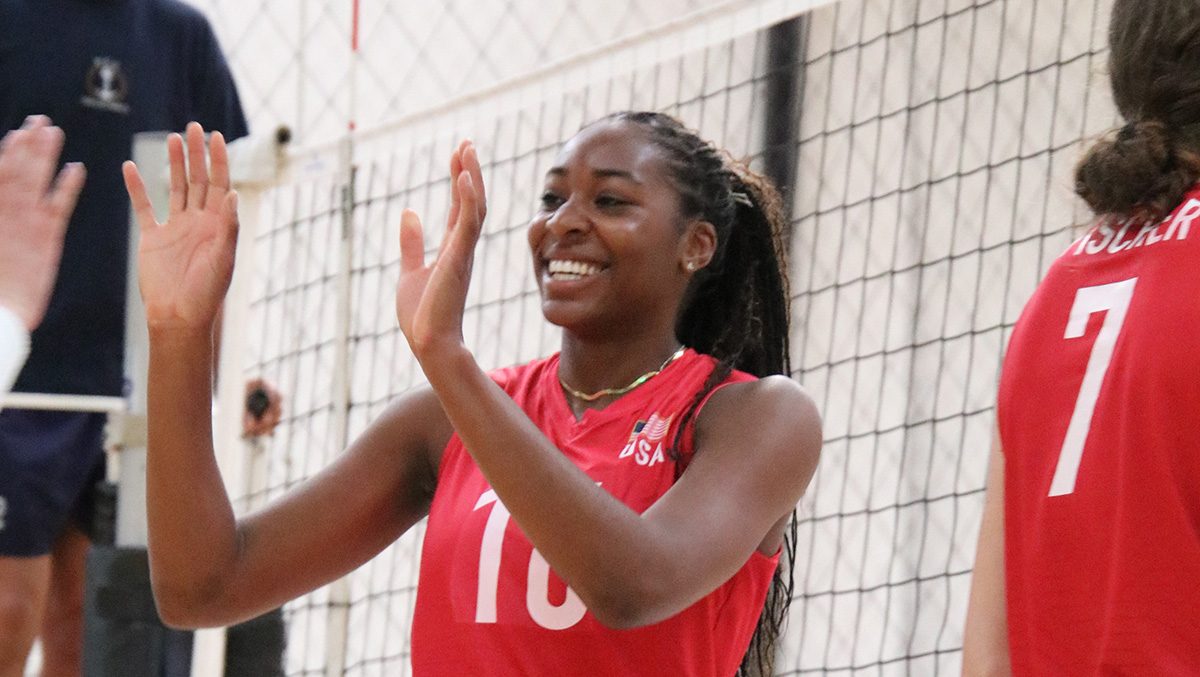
1113	298
537	587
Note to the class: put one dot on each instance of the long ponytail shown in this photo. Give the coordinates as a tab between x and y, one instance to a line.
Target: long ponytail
736	309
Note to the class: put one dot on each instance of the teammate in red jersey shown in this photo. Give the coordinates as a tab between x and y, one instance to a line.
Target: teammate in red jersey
1089	553
652	466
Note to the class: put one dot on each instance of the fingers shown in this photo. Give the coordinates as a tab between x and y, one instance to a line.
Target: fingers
23	134
35	122
179	188
197	167
471	215
229	216
65	193
252	427
466	233
28	165
137	196
412	242
471	165
10	148
268	416
466	206
218	184
455	170
192	187
30	155
42	160
31	123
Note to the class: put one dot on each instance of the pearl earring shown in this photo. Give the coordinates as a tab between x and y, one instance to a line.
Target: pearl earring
691	266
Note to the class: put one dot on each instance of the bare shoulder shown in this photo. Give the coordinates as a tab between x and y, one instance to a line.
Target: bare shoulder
775	414
757	445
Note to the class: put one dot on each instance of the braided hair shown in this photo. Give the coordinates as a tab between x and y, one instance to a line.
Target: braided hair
1145	168
736	307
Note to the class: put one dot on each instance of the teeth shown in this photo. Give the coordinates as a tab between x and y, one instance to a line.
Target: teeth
571	270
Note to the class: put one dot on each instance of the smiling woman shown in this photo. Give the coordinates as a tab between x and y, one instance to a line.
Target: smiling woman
627	523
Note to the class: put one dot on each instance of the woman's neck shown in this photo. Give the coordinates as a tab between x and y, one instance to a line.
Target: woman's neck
588	367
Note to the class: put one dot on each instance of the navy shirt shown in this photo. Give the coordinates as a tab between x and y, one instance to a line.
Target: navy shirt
103	70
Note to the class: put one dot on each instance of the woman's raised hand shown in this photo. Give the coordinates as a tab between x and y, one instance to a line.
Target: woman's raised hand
430	298
185	264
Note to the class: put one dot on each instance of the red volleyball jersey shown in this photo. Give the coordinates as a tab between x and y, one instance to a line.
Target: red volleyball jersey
1098	414
487	602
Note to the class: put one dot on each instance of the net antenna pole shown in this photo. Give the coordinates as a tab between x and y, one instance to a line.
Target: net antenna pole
786	46
339	590
150	153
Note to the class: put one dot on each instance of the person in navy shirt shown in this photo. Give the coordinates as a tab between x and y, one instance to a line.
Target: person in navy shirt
103	70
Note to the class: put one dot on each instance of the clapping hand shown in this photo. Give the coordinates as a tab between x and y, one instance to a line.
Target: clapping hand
430	298
33	216
185	264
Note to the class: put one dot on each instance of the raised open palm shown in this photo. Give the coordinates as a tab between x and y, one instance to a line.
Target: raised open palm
430	298
185	264
34	211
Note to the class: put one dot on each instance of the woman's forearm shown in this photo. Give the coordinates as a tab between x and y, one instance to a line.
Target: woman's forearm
193	533
597	544
985	636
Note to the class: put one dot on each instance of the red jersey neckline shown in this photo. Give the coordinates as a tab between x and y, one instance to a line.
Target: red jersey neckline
615	409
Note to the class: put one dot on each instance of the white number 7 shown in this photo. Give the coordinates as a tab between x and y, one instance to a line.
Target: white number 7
1115	299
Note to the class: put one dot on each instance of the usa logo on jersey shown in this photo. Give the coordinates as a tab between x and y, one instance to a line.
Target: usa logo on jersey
645	445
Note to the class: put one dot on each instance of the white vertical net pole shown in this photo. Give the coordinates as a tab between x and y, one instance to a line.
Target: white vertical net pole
339	590
150	154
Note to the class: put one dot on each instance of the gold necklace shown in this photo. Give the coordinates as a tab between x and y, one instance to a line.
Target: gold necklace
592	397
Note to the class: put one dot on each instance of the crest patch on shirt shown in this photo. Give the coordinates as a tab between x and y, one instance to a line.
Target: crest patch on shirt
106	87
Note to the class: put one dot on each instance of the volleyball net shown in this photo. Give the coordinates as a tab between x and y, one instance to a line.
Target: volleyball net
929	146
